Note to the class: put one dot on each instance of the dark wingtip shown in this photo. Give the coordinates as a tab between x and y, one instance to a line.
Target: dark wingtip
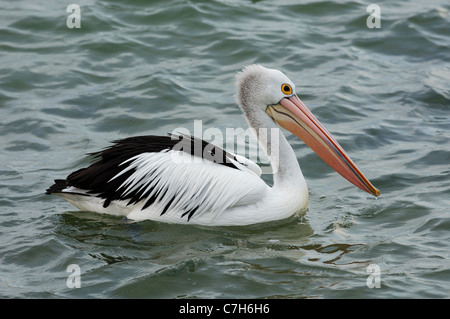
59	185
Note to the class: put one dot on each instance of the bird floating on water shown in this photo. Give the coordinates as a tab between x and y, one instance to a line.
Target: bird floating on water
156	178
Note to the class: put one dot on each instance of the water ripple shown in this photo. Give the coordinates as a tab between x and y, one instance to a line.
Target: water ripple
138	68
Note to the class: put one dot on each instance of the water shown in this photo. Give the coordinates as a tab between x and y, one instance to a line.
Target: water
139	68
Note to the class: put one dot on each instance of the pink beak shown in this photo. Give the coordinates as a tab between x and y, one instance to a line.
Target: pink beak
294	116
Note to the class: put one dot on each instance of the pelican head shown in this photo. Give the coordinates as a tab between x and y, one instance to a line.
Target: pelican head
270	93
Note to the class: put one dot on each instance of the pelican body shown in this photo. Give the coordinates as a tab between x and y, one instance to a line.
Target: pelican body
183	179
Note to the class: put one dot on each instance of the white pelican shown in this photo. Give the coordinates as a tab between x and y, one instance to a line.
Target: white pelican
156	178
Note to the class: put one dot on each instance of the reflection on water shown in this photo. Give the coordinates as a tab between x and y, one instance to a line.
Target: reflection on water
335	250
160	249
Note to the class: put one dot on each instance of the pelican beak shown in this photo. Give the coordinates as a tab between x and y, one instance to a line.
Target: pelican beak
294	116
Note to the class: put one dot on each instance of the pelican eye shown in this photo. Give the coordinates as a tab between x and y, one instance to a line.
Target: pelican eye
286	89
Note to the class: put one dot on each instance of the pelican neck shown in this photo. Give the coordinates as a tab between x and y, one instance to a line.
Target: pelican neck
285	167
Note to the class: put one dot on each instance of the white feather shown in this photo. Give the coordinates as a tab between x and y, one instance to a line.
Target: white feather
189	182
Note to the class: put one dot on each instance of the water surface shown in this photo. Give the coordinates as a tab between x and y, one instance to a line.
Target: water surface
139	68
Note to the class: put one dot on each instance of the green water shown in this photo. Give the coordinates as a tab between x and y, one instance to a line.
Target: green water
147	67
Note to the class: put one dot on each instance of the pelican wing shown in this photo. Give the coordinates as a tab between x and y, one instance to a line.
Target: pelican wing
177	175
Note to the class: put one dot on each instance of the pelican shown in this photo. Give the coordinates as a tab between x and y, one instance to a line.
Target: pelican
183	179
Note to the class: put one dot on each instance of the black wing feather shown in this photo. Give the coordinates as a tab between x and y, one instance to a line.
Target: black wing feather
97	178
